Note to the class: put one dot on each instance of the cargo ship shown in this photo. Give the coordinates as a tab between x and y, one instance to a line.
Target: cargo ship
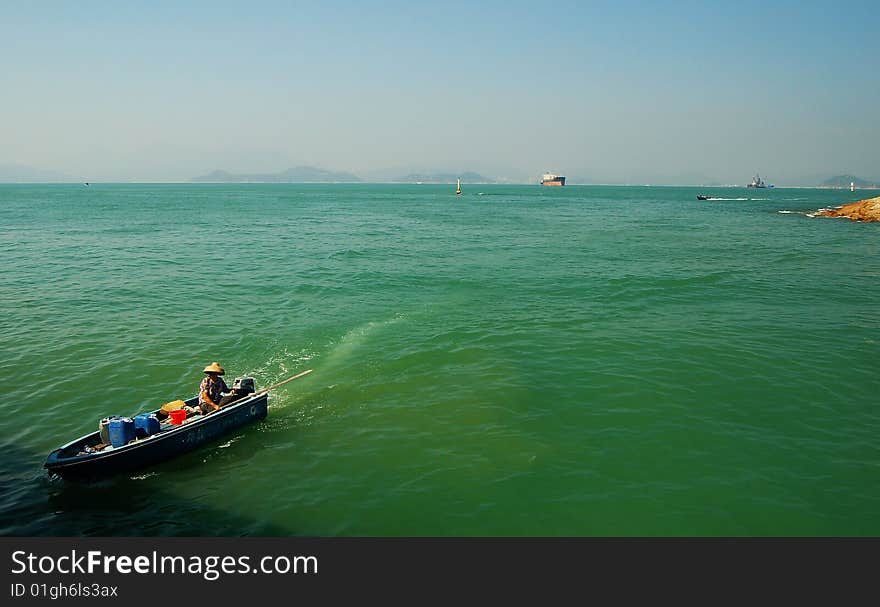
551	179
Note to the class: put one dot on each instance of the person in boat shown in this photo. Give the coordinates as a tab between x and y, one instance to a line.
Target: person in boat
212	389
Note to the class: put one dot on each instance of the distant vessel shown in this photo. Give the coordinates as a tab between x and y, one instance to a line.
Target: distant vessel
852	186
551	179
702	197
757	182
458	188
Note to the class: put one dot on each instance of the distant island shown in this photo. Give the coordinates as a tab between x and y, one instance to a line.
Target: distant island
844	181
300	174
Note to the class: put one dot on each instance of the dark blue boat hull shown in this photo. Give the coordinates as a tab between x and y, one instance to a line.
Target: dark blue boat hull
170	442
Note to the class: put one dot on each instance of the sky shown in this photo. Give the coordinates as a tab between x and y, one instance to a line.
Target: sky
602	92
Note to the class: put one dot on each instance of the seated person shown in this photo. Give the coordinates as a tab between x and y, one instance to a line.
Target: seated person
212	388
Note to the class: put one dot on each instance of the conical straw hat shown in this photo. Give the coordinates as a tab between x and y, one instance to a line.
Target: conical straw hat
214	367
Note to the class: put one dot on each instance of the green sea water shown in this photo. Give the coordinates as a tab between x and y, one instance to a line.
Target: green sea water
518	360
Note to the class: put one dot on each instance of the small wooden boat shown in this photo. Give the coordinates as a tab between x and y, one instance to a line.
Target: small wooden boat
88	457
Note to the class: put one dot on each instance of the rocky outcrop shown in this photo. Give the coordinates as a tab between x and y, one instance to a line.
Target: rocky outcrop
863	210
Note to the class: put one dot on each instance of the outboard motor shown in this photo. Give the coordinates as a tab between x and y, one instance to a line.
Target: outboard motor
244	385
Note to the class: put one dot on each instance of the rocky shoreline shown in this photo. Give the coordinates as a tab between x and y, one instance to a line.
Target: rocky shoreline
863	210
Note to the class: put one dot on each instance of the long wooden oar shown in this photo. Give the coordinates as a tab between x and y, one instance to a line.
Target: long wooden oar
281	383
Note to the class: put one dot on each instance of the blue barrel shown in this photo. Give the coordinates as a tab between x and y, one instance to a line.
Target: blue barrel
104	428
121	431
146	424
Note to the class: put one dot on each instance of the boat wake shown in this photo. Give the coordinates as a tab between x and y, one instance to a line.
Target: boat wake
337	355
230	442
145	476
354	339
280	365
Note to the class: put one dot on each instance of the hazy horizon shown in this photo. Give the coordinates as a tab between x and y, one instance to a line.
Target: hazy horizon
604	93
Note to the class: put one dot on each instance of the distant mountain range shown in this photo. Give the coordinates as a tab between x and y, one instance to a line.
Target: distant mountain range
300	174
309	174
16	173
843	181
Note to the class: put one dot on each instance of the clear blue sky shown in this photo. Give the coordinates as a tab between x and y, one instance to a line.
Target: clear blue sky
621	91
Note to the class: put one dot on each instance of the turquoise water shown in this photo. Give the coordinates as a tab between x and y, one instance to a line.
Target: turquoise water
515	361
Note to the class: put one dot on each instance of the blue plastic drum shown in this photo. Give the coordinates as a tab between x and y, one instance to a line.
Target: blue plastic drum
146	424
121	431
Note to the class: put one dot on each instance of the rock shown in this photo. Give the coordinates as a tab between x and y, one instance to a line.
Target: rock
864	210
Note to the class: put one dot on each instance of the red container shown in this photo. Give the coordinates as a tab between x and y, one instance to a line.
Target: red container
177	416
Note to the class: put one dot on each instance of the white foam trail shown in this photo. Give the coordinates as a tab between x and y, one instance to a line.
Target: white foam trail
342	351
230	442
145	476
284	361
